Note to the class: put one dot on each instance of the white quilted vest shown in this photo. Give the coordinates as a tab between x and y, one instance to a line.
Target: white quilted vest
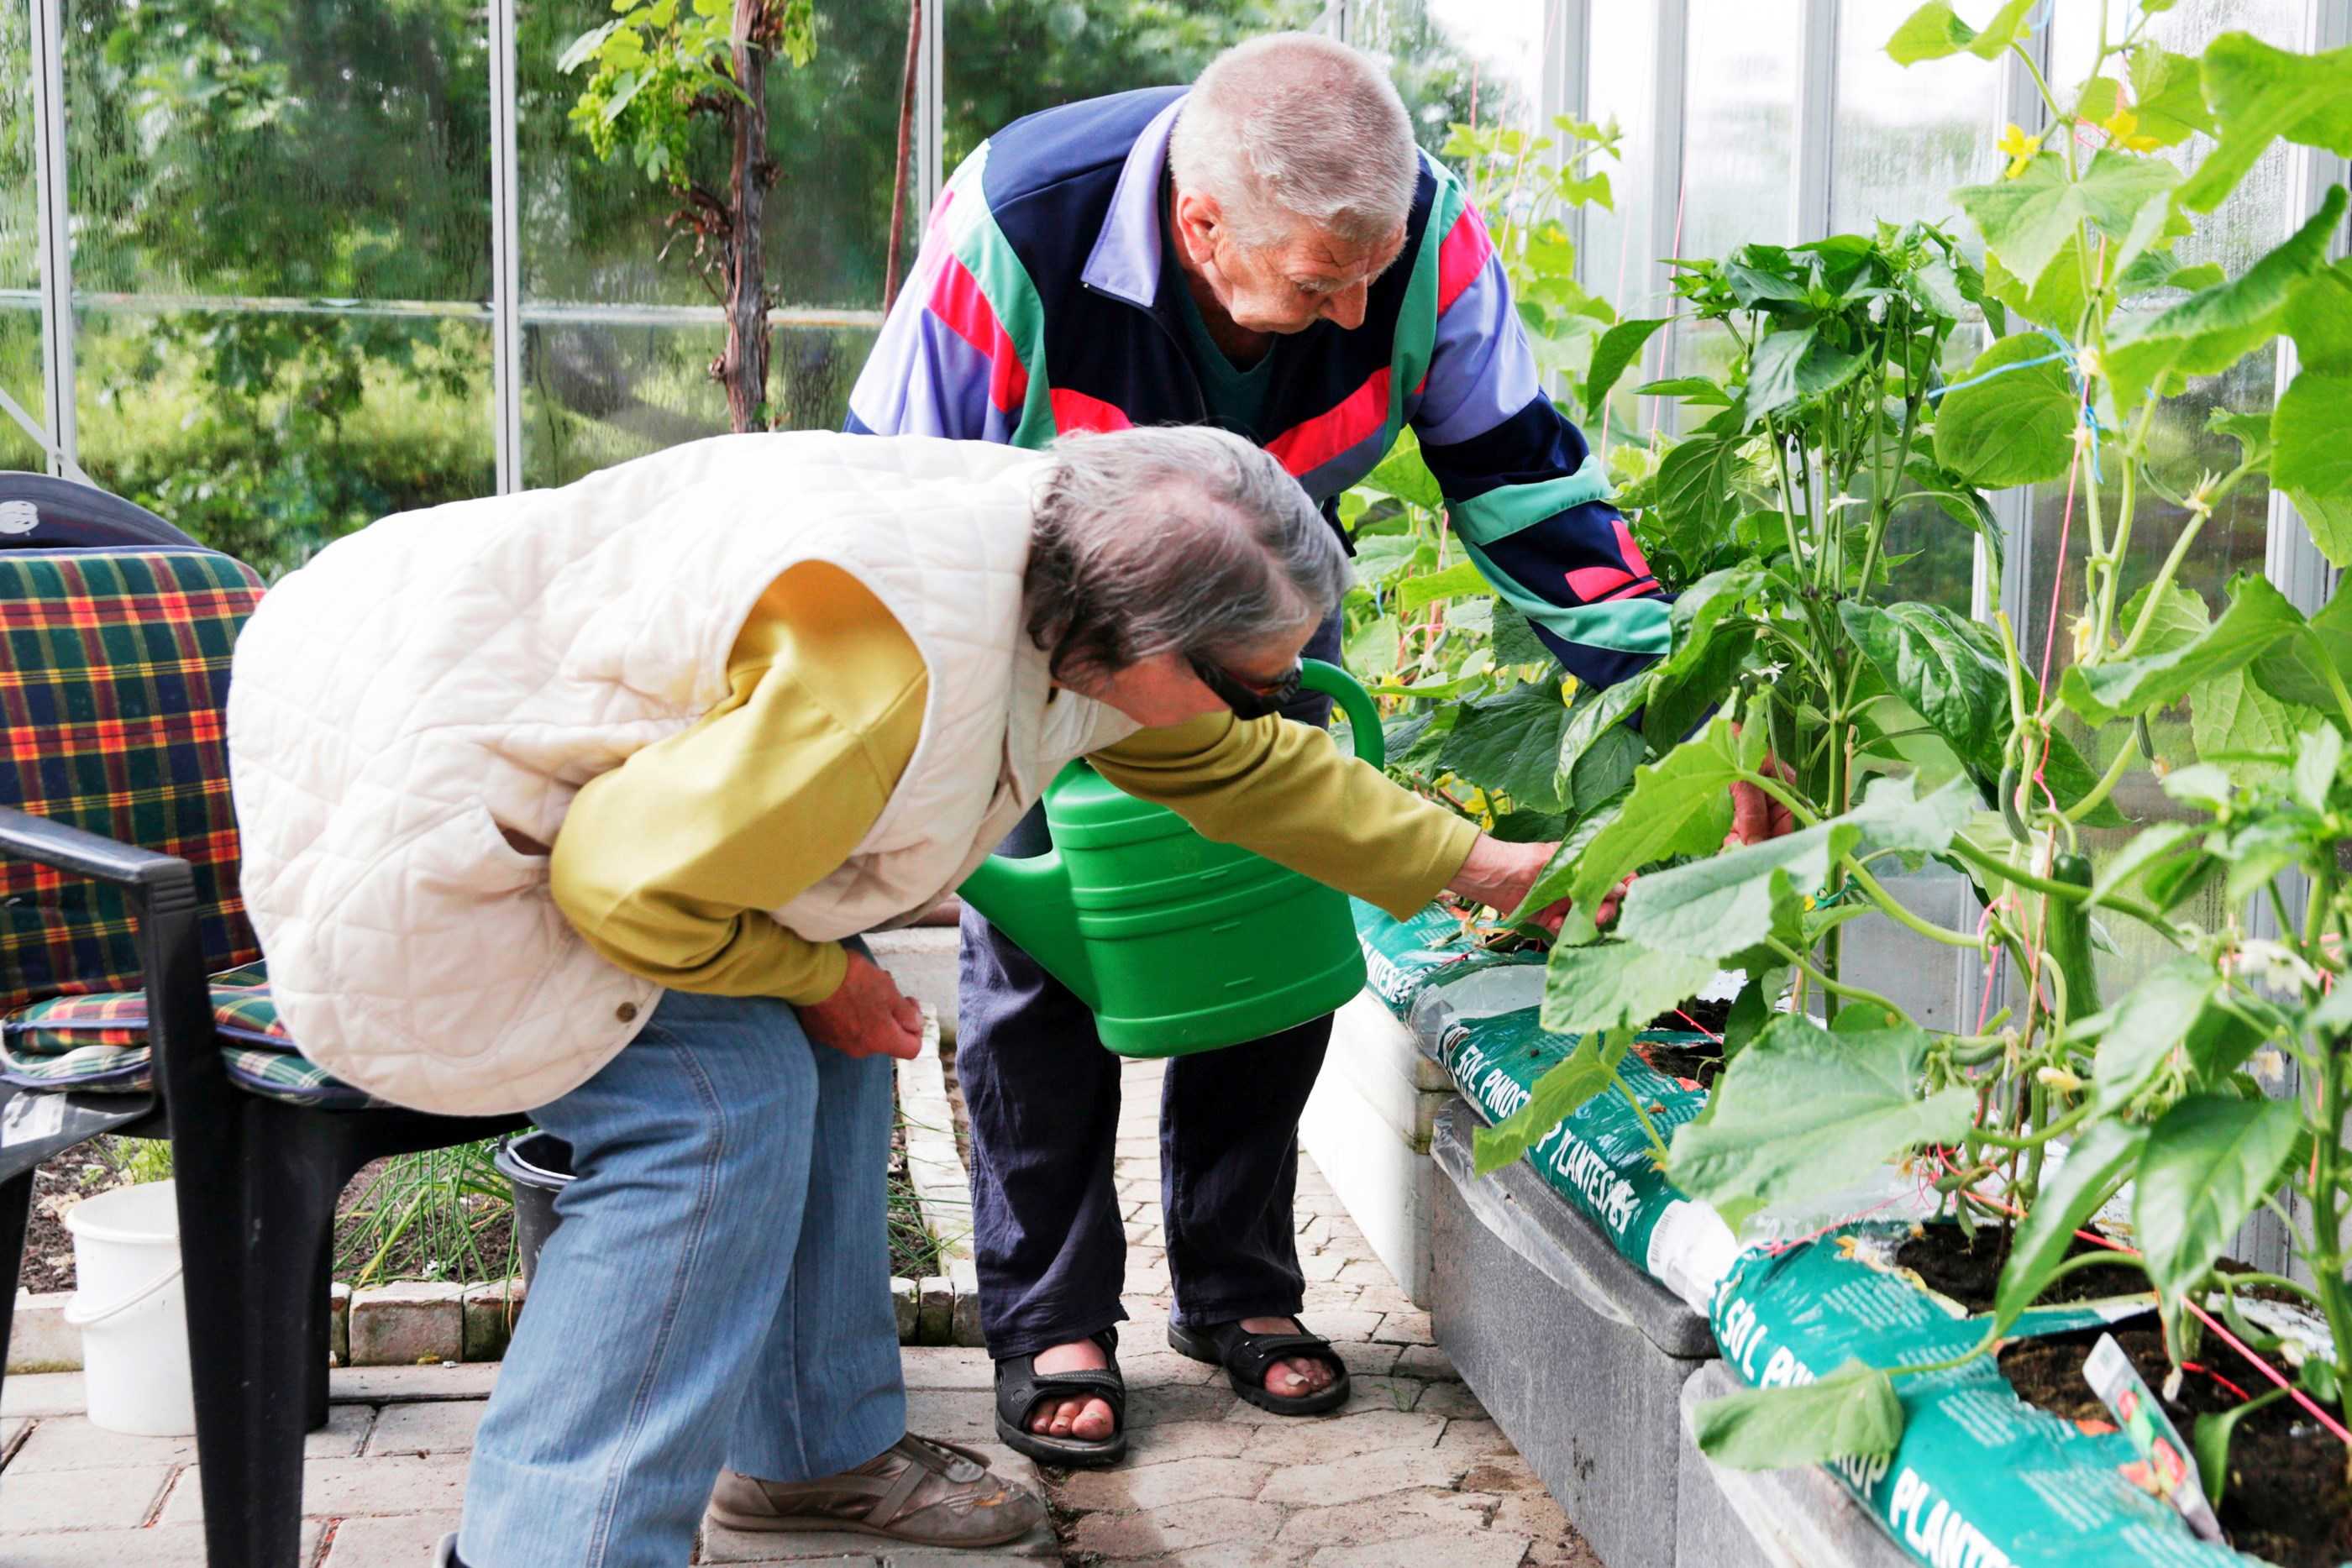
447	674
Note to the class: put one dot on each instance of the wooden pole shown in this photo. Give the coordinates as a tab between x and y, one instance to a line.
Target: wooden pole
906	140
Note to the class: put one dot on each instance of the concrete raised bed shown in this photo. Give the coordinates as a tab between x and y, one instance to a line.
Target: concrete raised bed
1368	1126
1797	1518
1580	1357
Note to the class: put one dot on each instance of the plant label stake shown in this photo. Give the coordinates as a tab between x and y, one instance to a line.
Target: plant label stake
2166	1467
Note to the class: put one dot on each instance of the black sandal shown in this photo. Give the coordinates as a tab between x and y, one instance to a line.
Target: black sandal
1246	1357
1021	1387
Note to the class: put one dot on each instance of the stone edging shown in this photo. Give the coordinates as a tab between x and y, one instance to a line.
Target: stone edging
417	1322
945	1308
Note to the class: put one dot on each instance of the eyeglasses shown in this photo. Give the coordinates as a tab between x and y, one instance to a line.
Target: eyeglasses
1248	698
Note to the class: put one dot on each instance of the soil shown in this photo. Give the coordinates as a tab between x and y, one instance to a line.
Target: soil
2287	1500
1951	1265
1698	1063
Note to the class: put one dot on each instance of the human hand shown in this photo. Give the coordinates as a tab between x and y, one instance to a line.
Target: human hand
1756	816
1502	876
867	1016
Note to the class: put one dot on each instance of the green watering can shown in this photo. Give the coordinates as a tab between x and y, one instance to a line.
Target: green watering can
1178	945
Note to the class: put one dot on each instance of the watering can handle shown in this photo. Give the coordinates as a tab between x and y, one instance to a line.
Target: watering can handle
1364	717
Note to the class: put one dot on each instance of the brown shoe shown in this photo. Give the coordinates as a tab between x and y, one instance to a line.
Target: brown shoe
916	1490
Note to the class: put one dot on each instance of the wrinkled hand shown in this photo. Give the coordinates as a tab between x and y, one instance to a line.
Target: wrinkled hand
868	1016
1756	816
1501	875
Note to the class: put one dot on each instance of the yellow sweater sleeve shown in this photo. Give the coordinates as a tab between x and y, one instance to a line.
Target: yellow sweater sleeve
668	864
1286	792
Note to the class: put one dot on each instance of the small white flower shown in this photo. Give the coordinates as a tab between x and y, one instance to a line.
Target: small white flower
2269	1067
2275	965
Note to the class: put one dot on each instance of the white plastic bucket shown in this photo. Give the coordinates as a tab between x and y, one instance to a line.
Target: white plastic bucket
131	1312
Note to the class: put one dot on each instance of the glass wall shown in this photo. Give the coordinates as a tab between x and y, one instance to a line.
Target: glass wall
1904	136
281	214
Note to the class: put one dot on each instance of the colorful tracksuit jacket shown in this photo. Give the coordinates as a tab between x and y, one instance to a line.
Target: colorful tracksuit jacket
1040	304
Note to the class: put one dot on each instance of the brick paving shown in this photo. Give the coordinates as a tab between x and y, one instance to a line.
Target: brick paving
1411	1473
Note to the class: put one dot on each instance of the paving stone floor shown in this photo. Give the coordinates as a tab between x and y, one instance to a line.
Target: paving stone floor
1410	1474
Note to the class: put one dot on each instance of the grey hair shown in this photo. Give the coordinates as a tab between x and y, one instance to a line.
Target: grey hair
1293	127
1172	539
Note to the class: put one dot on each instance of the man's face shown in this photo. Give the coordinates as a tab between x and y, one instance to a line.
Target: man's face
1309	276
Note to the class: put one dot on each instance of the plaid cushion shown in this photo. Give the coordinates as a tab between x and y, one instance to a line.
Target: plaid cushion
113	671
98	1041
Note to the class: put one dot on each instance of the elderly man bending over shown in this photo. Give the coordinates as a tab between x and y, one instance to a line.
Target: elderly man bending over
1267	253
757	694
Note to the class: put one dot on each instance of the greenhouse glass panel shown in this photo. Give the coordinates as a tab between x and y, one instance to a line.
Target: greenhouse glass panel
308	149
1904	136
1738	131
1622	51
20	267
1740	62
597	392
1471	62
1006	58
267	434
606	232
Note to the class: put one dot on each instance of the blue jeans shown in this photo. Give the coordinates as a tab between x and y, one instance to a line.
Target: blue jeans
718	1294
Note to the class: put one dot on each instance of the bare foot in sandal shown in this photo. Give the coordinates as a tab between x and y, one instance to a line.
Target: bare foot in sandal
1088	1420
1297	1376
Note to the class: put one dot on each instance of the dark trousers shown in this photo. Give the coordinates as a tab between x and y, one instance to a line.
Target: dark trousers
1044	1098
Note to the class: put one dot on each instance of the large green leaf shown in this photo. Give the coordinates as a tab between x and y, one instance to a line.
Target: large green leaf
1618	347
2258	94
1695	500
1510	742
1802	1113
1564	1087
1616	985
1403	475
2168	96
1892	817
1851	1412
1950	670
2319	318
2025	221
2311	432
1595	714
2257	619
1680	805
1716	906
1606	768
2208	1164
1459	581
2297	669
2153	1019
1794	366
2229	716
2016	428
1516	643
2214	328
2096	1167
1935	30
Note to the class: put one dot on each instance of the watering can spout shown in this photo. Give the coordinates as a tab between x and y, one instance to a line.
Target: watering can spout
1031	901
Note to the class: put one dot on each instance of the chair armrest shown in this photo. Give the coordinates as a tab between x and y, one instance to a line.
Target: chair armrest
162	895
23	836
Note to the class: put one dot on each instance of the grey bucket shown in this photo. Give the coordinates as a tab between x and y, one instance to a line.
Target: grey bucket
538	1166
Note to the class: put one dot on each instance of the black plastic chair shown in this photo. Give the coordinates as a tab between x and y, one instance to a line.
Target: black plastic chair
38	512
118	936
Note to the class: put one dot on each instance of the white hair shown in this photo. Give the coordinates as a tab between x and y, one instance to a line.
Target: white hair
1292	128
1172	539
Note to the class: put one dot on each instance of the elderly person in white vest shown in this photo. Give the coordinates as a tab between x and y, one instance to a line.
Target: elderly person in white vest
576	801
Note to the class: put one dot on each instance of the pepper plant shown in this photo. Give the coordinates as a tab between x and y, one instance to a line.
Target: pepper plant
1910	731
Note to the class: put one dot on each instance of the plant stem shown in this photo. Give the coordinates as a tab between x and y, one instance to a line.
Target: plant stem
1896	912
1642	1115
2034	1140
2107	781
1835	988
